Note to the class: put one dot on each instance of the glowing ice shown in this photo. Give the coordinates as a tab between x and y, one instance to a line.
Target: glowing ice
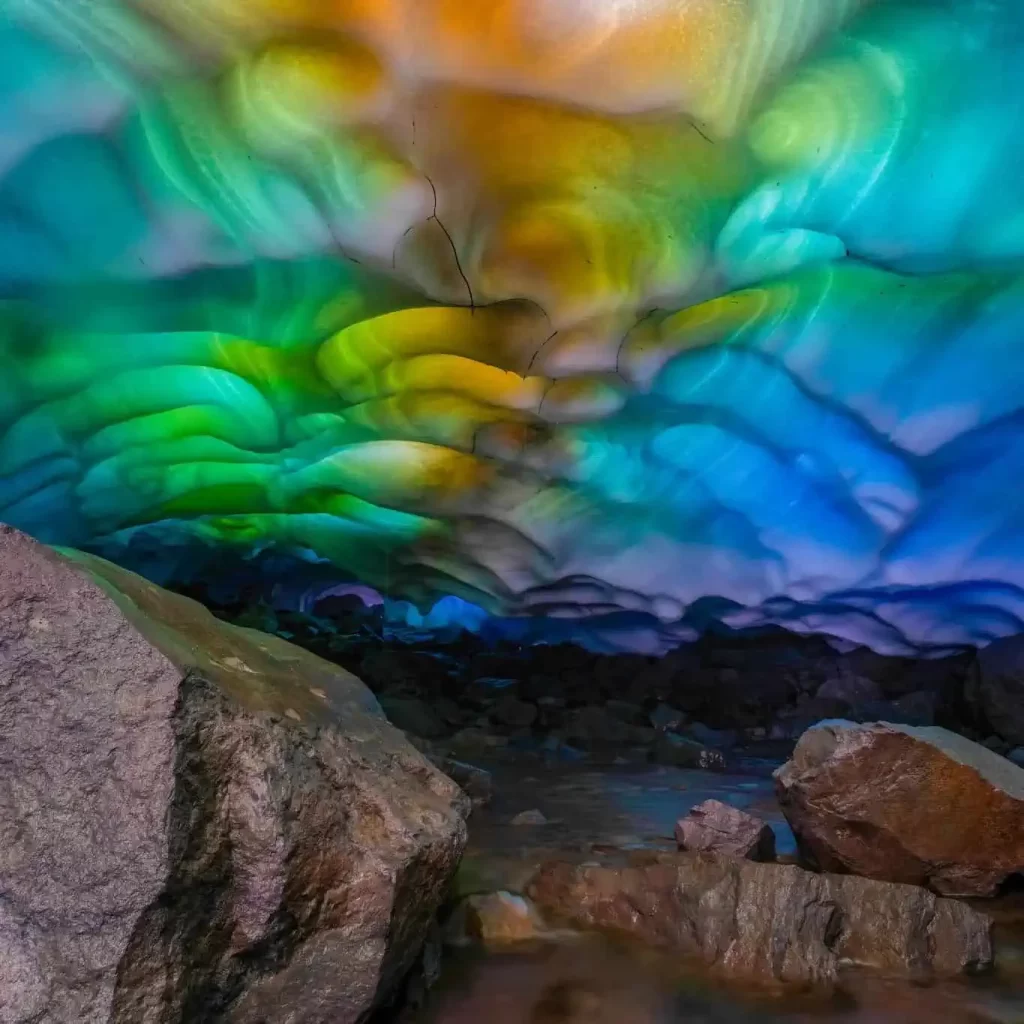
581	308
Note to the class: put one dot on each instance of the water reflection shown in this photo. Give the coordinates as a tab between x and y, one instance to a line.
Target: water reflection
596	981
592	980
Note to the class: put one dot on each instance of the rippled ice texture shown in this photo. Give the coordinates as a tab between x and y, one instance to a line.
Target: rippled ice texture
587	309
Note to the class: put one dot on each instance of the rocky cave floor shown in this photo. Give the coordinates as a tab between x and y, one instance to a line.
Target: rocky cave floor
566	752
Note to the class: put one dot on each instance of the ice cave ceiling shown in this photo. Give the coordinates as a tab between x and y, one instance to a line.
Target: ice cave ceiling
588	309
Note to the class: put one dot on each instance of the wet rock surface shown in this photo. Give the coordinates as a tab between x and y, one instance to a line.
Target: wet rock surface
715	827
597	981
768	921
623	818
905	804
198	822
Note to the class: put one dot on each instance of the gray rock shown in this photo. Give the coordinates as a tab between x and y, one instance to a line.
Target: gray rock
715	827
198	821
999	687
1017	756
665	717
681	752
768	921
905	804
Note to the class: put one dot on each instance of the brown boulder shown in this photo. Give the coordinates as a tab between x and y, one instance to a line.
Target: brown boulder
768	921
905	804
198	821
714	827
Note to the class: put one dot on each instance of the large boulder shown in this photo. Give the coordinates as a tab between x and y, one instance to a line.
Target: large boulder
905	804
198	822
768	921
997	687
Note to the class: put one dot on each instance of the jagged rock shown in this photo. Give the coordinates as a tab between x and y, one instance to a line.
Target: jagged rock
999	687
681	752
768	921
198	821
714	827
905	804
